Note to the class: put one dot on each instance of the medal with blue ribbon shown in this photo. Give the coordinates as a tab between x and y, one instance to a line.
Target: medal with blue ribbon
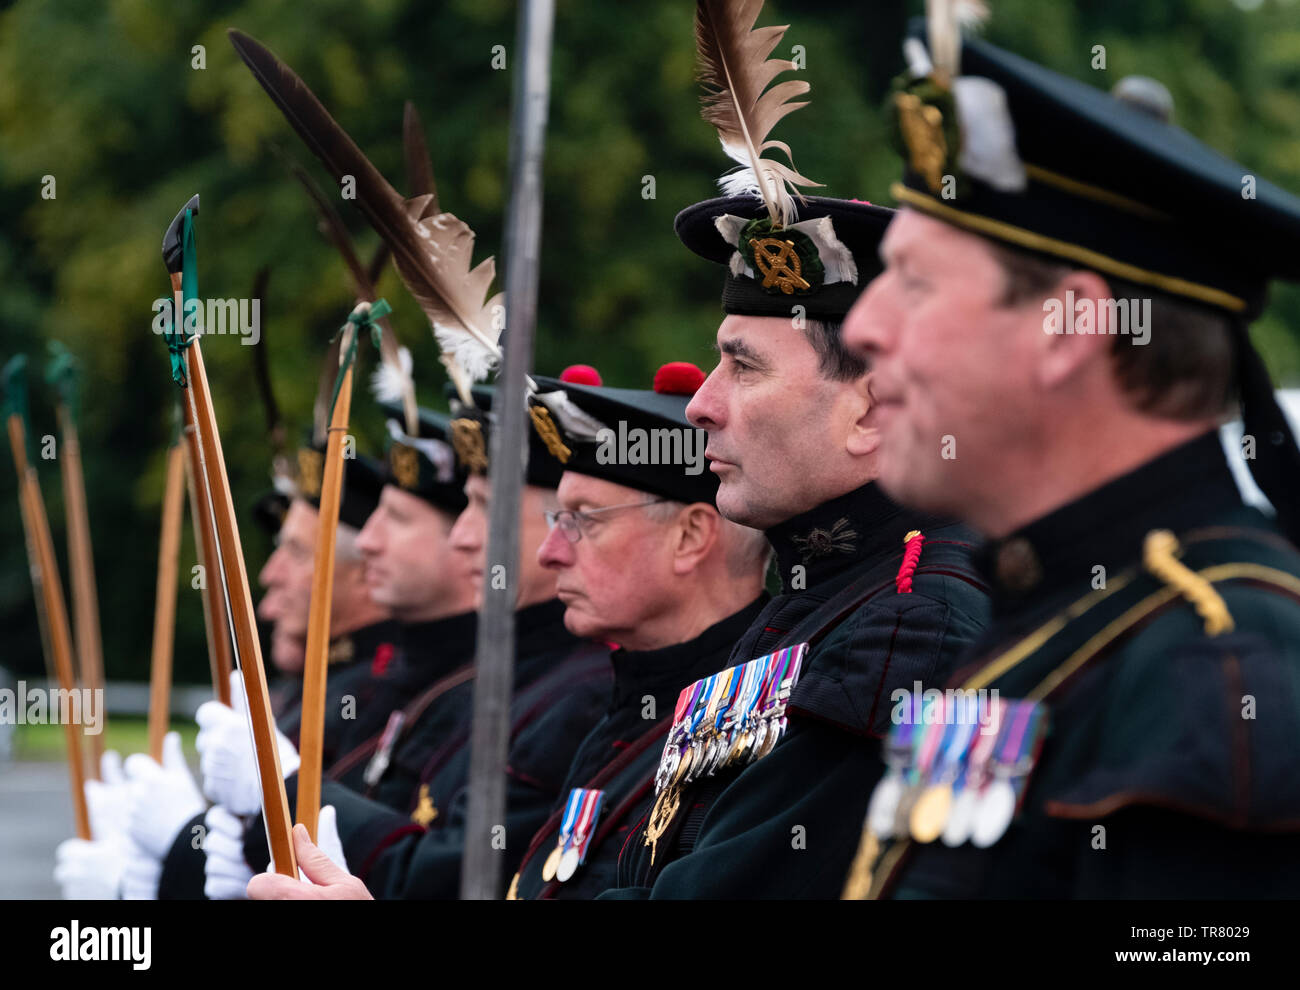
571	809
575	847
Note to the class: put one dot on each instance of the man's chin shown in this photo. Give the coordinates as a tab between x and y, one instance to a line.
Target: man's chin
733	504
582	625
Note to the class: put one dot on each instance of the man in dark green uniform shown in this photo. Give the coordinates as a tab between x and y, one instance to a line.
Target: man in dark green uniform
793	441
696	586
1073	317
561	688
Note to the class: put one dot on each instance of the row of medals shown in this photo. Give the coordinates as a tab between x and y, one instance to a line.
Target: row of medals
742	714
571	852
955	795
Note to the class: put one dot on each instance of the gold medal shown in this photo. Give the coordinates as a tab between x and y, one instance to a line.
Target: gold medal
683	766
661	816
552	864
930	813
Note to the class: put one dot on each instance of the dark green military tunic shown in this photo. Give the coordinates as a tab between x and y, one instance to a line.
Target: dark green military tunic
1170	765
411	844
620	755
358	663
788	824
428	678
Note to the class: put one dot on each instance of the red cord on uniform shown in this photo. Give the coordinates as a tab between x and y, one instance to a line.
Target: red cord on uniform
912	541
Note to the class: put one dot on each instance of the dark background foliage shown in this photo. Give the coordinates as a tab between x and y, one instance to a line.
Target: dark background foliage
101	95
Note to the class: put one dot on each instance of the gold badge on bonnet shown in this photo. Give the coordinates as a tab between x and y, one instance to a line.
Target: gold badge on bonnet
550	433
467	440
778	261
311	466
921	125
405	463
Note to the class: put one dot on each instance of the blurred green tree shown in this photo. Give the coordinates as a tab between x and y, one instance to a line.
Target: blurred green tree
105	97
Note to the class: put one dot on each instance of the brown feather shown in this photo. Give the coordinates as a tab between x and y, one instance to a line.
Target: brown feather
432	254
735	71
419	169
331	225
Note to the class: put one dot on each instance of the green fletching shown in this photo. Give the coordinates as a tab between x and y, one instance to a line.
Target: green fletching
176	339
15	386
370	318
63	372
14	379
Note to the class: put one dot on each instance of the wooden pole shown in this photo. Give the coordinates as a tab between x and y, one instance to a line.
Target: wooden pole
81	565
164	612
56	612
275	804
315	670
481	874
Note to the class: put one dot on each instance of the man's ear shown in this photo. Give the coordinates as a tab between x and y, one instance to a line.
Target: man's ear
864	434
1075	328
697	529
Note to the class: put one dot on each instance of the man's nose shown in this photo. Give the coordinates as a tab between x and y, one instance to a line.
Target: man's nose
271	569
556	551
704	410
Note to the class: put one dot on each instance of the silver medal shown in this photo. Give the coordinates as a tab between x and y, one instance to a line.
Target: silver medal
961	819
884	804
997	806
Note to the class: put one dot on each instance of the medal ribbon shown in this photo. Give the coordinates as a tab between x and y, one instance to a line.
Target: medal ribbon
961	736
1011	749
701	705
983	749
590	809
932	735
570	814
728	694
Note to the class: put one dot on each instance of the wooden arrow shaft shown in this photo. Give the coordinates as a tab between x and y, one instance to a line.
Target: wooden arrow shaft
81	567
164	612
60	635
315	670
275	804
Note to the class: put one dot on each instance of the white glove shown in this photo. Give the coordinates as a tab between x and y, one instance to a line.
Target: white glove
162	798
107	800
141	876
327	841
224	868
226	757
327	837
89	870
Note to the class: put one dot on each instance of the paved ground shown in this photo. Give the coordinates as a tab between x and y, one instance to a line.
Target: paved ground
35	816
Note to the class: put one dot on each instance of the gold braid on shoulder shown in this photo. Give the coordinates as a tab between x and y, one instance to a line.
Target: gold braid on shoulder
1159	557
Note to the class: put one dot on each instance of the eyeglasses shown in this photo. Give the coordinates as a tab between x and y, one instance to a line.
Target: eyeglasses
572	523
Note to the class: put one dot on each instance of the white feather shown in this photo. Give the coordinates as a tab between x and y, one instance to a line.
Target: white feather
469	353
389	384
988	135
744	182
